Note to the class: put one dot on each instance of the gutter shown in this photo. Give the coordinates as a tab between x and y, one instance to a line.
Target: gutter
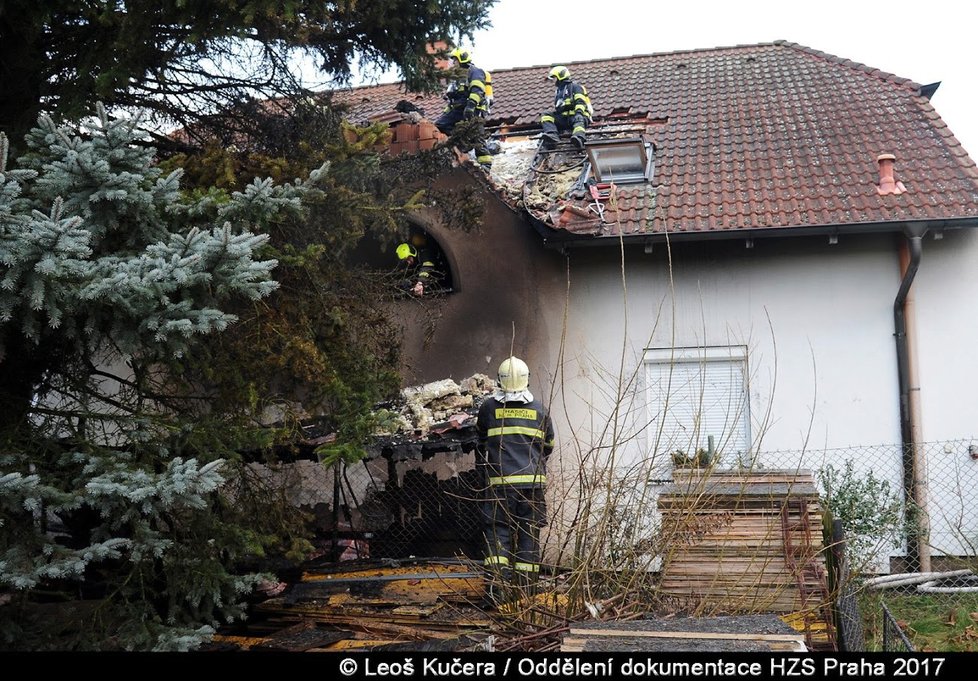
560	239
914	462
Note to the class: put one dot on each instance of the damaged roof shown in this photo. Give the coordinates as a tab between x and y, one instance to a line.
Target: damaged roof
749	139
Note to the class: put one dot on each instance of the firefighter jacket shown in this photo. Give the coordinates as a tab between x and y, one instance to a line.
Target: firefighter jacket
426	269
472	89
571	99
515	440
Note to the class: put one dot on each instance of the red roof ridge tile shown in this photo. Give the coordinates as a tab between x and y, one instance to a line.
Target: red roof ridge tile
648	55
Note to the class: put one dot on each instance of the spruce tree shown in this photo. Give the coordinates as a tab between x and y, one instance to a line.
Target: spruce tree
186	61
111	491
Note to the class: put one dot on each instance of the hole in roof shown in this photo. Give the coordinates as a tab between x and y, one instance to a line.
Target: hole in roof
614	73
681	65
750	59
364	100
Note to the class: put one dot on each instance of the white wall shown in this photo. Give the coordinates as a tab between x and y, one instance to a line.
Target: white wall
818	323
946	293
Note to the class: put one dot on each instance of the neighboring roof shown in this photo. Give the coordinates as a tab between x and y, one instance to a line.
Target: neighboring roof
756	137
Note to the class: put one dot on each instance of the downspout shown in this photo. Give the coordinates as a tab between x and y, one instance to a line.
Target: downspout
914	456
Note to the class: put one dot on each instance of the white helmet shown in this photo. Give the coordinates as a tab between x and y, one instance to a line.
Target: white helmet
514	375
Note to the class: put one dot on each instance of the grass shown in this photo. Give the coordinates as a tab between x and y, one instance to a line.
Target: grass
933	623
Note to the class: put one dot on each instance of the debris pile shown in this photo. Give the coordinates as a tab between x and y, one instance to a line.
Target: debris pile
511	167
416	604
440	406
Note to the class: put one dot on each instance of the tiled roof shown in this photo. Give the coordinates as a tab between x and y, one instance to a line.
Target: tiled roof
752	137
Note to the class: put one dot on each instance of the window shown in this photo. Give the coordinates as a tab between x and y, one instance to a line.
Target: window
696	393
620	160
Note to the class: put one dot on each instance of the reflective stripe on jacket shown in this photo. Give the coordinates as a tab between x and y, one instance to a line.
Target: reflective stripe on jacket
570	99
475	86
515	440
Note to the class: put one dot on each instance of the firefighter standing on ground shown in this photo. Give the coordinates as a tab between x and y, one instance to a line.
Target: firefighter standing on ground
515	439
572	110
469	96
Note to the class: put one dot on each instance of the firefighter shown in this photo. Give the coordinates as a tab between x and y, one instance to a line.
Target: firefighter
572	110
469	95
416	267
515	439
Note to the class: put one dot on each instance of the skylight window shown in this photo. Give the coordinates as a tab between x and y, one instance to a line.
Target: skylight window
620	160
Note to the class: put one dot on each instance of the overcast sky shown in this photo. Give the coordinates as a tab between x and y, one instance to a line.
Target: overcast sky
926	41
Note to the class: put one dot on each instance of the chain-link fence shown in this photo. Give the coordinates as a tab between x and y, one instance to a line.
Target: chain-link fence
894	640
912	513
910	521
903	509
406	498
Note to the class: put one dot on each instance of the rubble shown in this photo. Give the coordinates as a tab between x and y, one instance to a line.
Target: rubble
511	167
439	406
414	604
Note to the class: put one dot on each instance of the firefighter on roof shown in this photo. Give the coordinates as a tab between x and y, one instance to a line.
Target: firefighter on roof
515	439
469	95
572	110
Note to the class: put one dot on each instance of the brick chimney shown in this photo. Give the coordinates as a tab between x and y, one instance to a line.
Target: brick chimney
441	47
888	184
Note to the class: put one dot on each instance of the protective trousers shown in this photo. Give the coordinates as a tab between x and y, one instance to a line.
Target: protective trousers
512	518
554	122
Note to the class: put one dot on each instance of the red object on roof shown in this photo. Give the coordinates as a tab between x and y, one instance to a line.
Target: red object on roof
757	137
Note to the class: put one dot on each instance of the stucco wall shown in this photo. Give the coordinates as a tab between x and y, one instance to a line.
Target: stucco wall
946	303
816	319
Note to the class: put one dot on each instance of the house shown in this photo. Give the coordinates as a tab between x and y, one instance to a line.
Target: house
784	278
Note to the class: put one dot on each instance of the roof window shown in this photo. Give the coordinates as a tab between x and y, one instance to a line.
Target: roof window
621	161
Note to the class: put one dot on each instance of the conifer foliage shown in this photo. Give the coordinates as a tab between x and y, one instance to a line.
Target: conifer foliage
109	493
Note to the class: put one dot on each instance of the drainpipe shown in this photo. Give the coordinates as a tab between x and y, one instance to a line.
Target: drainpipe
914	456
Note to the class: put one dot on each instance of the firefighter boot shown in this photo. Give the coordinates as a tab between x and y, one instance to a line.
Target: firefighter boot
549	140
578	140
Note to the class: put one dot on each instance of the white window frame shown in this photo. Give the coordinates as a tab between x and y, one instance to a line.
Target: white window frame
644	151
735	439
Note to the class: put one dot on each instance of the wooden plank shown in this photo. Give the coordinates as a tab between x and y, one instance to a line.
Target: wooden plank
741	636
243	642
353	644
418	610
411	572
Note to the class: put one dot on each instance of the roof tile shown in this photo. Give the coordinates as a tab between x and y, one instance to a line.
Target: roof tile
770	135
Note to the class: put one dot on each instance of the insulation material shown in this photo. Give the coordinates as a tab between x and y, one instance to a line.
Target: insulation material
511	167
426	406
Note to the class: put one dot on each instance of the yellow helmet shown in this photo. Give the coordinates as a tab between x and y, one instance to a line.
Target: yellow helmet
514	375
558	73
406	251
461	56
